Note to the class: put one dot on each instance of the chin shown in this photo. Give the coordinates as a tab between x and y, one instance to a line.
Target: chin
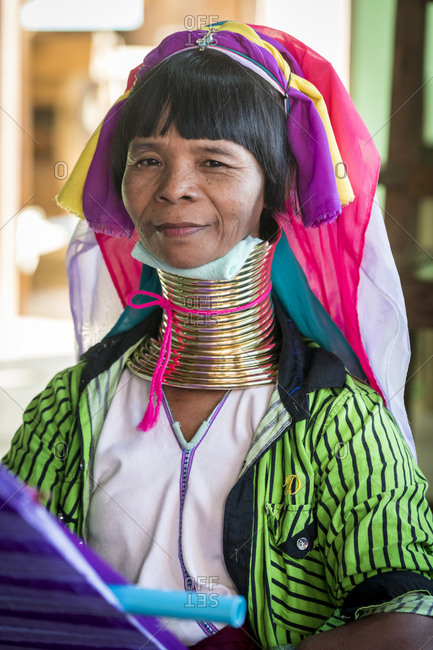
184	264
186	260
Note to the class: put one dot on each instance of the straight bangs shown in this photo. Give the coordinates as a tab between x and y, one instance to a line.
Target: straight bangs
208	95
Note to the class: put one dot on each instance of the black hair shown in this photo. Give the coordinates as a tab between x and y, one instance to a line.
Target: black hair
208	95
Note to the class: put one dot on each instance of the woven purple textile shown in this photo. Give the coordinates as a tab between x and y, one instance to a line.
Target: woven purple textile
48	598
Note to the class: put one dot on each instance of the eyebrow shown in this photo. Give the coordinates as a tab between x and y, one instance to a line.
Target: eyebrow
139	147
217	149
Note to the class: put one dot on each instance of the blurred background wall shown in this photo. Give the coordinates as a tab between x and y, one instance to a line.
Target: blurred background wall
63	64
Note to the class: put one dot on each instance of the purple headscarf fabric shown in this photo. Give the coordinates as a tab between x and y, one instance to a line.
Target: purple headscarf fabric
102	204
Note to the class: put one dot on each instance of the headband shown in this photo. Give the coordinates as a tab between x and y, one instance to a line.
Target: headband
90	191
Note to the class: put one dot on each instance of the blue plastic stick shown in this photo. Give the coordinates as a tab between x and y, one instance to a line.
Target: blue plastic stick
196	605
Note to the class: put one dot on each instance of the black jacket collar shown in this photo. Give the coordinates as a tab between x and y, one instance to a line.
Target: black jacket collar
303	368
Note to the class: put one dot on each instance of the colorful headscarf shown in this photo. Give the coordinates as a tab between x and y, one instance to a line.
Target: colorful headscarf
316	270
90	192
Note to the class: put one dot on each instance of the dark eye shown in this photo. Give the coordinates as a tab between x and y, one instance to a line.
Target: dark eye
214	163
147	162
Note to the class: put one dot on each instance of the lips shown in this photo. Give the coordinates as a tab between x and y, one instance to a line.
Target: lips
181	229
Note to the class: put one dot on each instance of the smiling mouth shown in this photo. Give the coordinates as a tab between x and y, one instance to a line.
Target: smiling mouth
179	229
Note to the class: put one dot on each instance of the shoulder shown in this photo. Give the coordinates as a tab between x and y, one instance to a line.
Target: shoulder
354	440
63	389
354	400
351	407
38	448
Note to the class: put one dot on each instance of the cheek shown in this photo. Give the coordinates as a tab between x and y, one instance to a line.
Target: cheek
250	207
132	196
242	218
129	188
255	231
125	191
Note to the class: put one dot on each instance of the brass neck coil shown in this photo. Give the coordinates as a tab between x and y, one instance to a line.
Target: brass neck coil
211	349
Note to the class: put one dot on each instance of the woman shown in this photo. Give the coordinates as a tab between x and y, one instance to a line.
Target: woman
216	448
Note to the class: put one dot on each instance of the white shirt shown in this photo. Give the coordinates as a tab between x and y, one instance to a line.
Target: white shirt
157	507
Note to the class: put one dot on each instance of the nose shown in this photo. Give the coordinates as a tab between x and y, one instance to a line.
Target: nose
176	183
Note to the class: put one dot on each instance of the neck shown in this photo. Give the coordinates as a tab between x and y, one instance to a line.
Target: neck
222	333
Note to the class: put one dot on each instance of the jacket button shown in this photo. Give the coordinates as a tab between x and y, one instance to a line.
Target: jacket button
302	543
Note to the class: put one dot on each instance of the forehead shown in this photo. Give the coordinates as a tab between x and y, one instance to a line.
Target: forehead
173	142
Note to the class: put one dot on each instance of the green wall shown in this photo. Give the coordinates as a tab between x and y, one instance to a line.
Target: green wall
372	49
372	53
428	77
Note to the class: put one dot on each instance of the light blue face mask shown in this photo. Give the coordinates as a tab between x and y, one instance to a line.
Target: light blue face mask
225	268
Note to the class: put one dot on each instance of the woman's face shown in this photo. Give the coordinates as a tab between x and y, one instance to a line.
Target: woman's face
192	201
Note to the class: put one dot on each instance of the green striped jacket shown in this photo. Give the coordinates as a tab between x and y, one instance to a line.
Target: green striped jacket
327	518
